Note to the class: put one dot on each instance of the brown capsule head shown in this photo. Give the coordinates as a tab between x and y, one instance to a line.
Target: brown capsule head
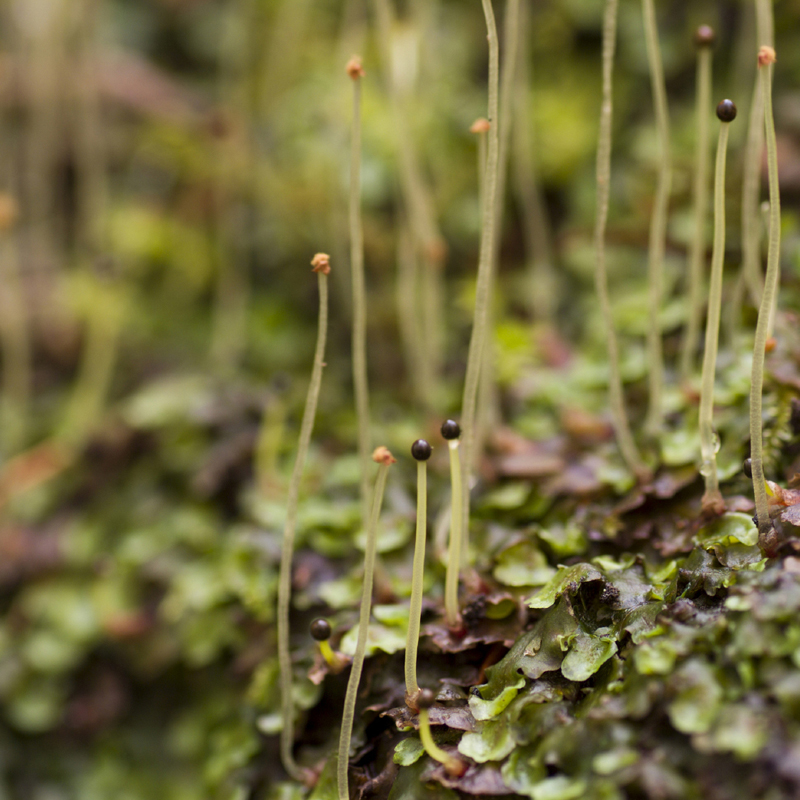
354	68
320	629
451	429
421	450
381	455
747	467
321	263
704	36
766	55
726	111
481	125
426	698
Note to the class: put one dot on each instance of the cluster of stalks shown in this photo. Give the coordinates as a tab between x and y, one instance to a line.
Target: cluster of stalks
418	700
421	450
726	111
493	139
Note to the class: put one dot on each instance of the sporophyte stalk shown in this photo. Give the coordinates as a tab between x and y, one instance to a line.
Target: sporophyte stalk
384	459
452	764
766	59
321	265
709	442
658	223
619	415
451	431
421	451
355	70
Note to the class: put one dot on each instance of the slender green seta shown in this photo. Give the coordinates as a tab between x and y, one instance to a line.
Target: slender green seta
483	289
385	459
622	429
327	653
418	575
488	404
709	443
511	42
658	223
455	549
751	188
359	336
766	58
321	264
704	39
751	180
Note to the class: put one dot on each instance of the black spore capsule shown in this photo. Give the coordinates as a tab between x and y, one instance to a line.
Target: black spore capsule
321	629
426	698
726	111
451	429
421	450
747	467
704	37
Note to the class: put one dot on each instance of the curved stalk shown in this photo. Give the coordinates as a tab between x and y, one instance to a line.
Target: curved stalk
658	223
385	459
483	288
452	764
709	442
619	416
322	268
766	57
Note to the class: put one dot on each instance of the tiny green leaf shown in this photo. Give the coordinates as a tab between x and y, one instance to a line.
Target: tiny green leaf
407	751
587	654
492	741
567	579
